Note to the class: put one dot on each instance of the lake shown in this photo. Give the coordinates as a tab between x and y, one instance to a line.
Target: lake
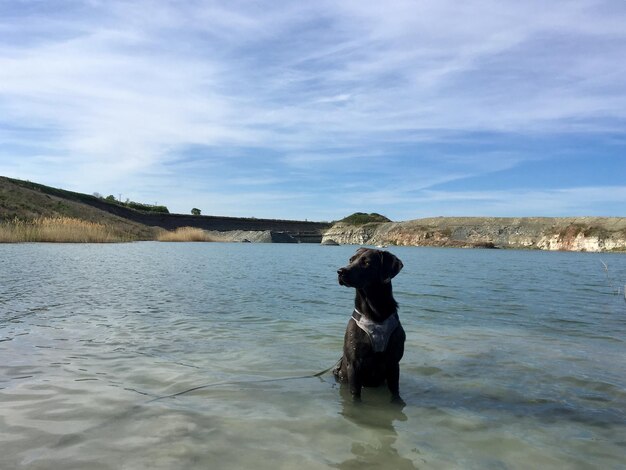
161	356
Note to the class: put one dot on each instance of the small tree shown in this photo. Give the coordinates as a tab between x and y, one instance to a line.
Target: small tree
195	211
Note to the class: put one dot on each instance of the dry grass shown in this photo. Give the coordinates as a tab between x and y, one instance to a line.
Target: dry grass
56	230
185	234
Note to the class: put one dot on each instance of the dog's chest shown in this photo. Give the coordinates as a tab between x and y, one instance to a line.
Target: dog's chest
378	333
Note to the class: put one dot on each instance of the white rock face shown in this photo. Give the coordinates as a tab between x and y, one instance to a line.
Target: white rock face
593	234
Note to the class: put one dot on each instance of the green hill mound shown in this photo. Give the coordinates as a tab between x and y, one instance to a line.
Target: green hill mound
362	218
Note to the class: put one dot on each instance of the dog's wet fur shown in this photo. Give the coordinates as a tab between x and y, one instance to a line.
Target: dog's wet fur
370	272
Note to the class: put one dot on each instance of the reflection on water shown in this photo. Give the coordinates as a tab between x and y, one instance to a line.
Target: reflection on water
150	355
379	414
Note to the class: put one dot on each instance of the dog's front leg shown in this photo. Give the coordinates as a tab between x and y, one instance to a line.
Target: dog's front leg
393	382
354	380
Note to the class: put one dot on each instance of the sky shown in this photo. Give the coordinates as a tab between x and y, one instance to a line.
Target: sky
315	110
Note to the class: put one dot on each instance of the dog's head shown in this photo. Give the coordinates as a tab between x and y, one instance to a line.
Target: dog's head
369	267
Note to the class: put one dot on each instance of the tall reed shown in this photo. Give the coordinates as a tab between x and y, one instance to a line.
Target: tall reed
185	234
57	230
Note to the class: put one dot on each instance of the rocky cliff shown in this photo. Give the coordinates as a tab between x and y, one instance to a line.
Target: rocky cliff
252	236
566	233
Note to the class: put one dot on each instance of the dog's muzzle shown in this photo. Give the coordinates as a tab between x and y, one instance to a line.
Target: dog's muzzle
341	277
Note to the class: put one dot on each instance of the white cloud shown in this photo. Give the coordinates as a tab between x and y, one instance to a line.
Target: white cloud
527	202
123	89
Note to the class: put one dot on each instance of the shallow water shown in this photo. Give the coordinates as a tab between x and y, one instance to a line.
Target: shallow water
513	359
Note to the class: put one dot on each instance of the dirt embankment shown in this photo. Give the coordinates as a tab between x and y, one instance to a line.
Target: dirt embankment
564	233
24	200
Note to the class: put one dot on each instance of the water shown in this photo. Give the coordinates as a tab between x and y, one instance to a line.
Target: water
513	360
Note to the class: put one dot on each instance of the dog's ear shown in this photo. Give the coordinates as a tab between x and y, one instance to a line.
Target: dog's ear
390	266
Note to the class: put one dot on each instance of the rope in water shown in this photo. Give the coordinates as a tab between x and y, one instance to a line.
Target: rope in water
239	382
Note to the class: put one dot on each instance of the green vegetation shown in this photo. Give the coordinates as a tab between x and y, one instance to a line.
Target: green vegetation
361	218
195	211
138	206
147	207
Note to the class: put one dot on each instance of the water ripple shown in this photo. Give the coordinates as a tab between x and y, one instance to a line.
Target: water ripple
513	359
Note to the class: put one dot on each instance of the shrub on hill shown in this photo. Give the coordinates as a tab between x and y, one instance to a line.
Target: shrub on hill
361	218
146	207
137	205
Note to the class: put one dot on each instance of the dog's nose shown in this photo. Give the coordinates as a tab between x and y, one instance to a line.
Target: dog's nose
342	274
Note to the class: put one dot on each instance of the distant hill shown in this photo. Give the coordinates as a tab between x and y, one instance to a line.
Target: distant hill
26	200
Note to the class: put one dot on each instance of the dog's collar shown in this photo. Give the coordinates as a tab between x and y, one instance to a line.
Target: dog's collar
361	316
356	310
379	333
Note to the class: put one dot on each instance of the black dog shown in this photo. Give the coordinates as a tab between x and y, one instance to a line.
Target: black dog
374	340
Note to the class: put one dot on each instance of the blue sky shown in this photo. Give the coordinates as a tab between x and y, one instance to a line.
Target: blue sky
315	110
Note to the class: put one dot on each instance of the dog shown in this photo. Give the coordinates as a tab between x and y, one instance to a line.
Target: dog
374	340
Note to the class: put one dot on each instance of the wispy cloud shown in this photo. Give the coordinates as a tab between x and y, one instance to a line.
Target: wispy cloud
515	202
94	95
